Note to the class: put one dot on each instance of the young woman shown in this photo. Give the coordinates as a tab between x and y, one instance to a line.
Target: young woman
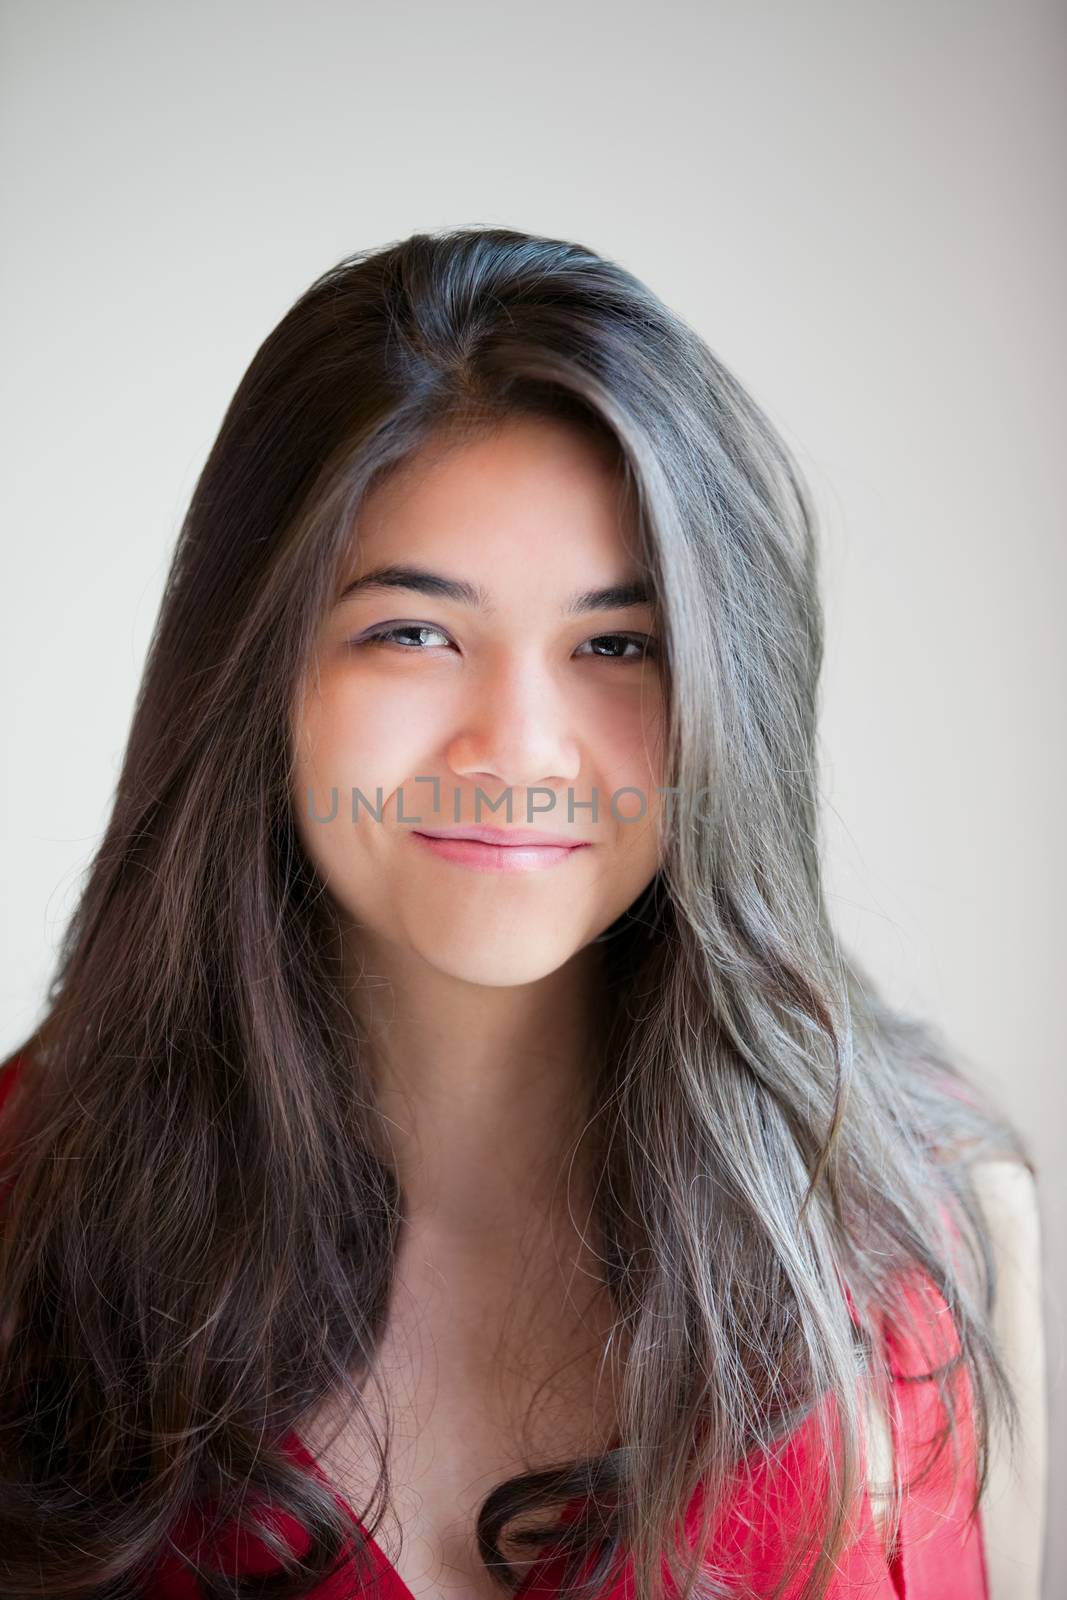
458	1156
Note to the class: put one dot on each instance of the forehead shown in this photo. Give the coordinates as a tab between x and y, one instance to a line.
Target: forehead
533	489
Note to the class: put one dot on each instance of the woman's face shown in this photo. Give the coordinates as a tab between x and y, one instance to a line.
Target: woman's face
503	686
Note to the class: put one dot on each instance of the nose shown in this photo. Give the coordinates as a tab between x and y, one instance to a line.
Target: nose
515	729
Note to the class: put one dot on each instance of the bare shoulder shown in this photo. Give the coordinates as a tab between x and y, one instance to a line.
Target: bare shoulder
1013	1504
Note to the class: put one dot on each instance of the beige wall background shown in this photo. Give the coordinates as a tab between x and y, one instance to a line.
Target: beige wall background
861	207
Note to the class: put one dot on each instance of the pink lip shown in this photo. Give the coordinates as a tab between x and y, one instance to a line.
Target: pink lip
526	851
502	836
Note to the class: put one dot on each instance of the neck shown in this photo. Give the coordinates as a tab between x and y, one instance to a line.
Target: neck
484	1090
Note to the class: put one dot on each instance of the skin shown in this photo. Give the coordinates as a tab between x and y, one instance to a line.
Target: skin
479	991
481	988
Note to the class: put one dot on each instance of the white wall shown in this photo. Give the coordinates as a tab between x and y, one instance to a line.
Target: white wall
860	207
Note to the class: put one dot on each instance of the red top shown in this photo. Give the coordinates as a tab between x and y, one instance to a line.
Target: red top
940	1554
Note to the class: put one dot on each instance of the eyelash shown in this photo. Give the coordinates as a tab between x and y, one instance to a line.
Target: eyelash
650	651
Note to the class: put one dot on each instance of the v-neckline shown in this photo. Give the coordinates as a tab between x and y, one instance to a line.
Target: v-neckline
889	1571
399	1590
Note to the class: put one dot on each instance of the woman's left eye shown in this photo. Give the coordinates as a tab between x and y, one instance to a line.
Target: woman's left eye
643	643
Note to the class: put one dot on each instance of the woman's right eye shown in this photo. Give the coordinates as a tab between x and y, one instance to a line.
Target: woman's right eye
388	635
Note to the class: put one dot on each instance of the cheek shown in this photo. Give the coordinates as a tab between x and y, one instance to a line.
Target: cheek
344	741
349	738
629	767
629	743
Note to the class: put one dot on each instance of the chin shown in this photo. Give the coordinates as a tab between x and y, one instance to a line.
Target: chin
499	963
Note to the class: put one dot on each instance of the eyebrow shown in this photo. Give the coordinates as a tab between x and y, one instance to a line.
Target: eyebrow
420	580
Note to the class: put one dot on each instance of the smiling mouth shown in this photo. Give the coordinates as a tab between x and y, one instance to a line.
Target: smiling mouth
530	854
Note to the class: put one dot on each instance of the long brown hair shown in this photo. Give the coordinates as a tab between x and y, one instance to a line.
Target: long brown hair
201	1217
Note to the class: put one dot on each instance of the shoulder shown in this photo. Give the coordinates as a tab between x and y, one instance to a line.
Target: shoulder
10	1072
1006	1188
1013	1502
1008	1194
